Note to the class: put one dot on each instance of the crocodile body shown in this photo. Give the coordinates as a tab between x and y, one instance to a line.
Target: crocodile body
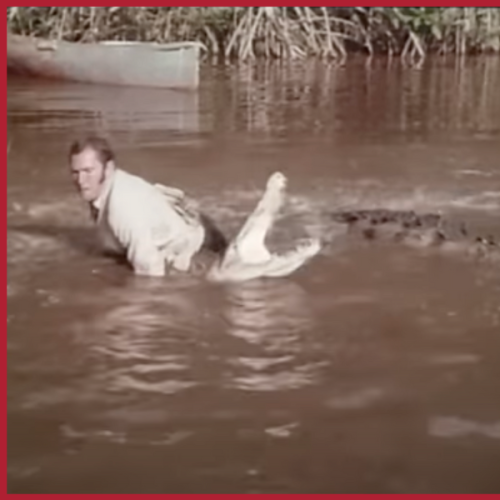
425	230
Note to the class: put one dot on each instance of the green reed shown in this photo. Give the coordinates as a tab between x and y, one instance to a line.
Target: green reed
246	33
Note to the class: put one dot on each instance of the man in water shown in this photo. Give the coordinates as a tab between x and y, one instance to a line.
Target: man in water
156	227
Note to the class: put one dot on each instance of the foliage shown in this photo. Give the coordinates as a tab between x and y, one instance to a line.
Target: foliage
276	32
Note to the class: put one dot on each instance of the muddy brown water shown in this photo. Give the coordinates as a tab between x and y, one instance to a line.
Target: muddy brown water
373	369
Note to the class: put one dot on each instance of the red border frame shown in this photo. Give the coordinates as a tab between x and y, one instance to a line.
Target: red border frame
486	3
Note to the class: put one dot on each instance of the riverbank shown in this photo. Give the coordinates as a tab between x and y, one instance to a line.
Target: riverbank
246	33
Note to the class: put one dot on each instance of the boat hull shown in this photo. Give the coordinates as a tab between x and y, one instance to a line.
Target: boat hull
141	64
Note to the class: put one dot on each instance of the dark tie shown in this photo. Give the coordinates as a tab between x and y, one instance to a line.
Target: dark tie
94	213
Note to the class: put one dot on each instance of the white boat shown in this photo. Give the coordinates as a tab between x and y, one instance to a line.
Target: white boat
142	64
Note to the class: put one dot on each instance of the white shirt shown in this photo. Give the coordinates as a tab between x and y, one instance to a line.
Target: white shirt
152	224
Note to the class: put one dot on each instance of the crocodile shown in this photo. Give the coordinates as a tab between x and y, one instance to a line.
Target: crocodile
424	230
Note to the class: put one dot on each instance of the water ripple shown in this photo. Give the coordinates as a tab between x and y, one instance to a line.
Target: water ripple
450	427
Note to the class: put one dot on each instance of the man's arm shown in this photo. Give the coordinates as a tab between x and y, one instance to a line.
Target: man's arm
171	193
135	236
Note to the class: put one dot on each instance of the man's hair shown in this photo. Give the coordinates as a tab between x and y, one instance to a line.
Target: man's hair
98	144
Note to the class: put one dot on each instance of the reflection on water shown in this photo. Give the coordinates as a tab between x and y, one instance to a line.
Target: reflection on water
271	313
372	99
449	427
373	369
274	318
107	108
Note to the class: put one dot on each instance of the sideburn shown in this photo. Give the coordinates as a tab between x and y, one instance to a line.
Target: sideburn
103	174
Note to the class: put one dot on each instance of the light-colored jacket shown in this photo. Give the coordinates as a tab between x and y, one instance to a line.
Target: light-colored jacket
153	225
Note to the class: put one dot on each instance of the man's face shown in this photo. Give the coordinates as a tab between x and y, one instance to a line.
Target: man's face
88	174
